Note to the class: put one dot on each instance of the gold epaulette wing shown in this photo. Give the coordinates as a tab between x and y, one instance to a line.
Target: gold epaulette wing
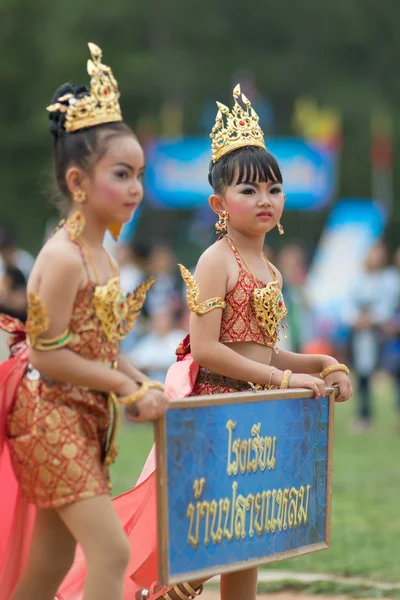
193	292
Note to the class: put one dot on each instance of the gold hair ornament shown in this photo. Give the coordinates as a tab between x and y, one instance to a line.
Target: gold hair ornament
240	129
193	292
100	106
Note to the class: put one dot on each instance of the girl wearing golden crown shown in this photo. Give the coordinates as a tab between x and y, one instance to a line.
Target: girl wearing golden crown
237	309
60	387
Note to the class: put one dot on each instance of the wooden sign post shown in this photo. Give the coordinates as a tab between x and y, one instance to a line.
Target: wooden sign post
244	479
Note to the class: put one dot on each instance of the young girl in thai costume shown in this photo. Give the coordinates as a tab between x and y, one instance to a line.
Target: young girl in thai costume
237	309
59	390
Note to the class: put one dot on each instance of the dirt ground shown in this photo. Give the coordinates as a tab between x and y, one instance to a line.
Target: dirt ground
213	594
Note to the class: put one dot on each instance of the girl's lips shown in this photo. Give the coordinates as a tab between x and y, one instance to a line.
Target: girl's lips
264	215
130	204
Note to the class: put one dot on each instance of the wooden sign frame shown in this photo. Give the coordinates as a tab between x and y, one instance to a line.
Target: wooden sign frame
162	483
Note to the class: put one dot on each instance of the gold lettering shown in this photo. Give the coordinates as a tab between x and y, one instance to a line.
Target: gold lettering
205	510
282	501
216	536
192	539
258	522
240	517
250	505
226	506
232	468
243	456
292	511
271	444
302	513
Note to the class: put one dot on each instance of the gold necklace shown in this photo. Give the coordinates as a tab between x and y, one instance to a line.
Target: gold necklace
92	262
247	266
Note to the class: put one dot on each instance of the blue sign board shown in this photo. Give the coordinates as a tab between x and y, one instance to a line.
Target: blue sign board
243	479
177	173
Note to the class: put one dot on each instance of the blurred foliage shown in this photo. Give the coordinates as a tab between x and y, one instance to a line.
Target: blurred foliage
342	54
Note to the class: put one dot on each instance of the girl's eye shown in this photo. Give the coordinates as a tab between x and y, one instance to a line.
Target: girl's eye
249	191
122	174
276	190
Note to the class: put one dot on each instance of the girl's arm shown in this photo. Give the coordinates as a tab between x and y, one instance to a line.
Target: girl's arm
57	278
212	277
127	367
313	364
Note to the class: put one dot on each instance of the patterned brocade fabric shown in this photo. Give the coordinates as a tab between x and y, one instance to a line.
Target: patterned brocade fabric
239	322
57	432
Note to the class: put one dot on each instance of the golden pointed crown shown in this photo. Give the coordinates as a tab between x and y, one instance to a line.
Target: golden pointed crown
98	107
240	128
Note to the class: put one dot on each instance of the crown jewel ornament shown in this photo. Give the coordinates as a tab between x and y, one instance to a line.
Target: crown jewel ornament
235	129
100	106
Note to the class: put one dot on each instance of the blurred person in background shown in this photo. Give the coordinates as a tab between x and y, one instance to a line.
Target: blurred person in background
166	290
132	258
391	335
155	352
10	254
133	262
372	307
292	264
13	301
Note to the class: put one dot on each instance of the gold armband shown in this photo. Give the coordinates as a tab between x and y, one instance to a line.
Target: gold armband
53	343
193	292
285	379
145	386
333	368
37	323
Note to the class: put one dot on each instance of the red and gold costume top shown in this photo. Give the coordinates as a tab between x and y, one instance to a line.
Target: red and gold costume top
251	312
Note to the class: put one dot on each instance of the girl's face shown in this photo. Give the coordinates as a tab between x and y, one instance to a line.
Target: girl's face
254	208
114	187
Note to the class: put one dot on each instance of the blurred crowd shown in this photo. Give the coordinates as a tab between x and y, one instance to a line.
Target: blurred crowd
371	321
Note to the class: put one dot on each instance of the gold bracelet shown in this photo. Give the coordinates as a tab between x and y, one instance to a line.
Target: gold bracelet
145	386
270	376
285	379
333	368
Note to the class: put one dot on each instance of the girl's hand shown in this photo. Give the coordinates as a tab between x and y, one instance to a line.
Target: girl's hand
151	407
343	382
309	382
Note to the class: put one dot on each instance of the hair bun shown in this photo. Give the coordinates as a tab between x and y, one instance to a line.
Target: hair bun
57	118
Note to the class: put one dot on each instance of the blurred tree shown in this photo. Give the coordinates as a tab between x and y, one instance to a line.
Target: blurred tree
170	58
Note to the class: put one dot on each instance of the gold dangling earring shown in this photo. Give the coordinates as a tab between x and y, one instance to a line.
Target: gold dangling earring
280	228
220	225
75	225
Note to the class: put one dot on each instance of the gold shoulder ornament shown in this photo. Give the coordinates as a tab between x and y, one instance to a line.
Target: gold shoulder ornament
193	292
38	322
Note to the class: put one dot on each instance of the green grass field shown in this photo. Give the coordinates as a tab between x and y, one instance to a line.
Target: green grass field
366	493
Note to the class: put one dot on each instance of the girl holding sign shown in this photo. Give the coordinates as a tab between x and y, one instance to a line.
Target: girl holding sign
237	312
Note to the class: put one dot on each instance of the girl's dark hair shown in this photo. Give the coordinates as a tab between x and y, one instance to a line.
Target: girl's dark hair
248	164
83	148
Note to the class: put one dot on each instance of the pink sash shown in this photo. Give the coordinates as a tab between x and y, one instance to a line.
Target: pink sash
16	516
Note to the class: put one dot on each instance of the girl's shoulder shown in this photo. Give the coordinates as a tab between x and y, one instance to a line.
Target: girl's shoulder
217	255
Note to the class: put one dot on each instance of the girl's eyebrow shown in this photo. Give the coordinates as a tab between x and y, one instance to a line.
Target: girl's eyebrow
247	182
